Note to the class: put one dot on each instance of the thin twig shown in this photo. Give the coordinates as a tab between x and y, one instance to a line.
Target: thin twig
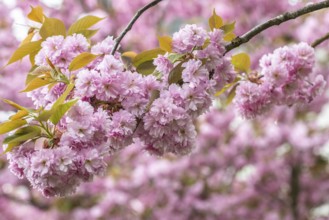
131	23
320	40
275	21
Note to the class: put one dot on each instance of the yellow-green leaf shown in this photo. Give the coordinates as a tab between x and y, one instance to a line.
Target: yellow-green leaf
224	89
127	58
83	24
82	60
165	43
45	115
231	95
52	27
28	38
35	84
15	105
129	54
63	97
88	33
51	85
215	21
23	134
146	68
241	62
36	14
229	37
228	28
60	111
24	50
154	95
37	71
30	77
147	55
206	43
11	146
173	57
7	126
32	57
20	114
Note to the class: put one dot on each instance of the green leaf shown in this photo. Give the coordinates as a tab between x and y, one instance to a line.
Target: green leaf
215	21
241	62
231	95
83	24
23	134
82	60
60	111
173	57
20	114
146	68
175	76
35	84
228	28
45	115
88	33
63	97
147	55
36	14
7	126
165	43
52	27
24	50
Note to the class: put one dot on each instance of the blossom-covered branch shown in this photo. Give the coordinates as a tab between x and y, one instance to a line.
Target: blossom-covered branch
320	40
275	21
131	23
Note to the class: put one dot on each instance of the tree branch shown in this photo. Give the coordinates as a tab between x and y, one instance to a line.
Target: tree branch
320	40
131	23
275	21
84	6
294	190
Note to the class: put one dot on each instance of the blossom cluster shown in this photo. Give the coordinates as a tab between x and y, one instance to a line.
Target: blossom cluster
286	78
169	123
117	106
244	167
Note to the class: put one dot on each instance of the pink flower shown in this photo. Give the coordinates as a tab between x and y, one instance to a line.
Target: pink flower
86	83
187	38
252	100
163	65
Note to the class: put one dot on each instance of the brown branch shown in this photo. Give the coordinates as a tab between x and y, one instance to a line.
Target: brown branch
131	23
294	190
320	40
84	6
275	21
32	201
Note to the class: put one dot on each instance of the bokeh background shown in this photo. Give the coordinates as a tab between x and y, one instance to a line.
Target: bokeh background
272	168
